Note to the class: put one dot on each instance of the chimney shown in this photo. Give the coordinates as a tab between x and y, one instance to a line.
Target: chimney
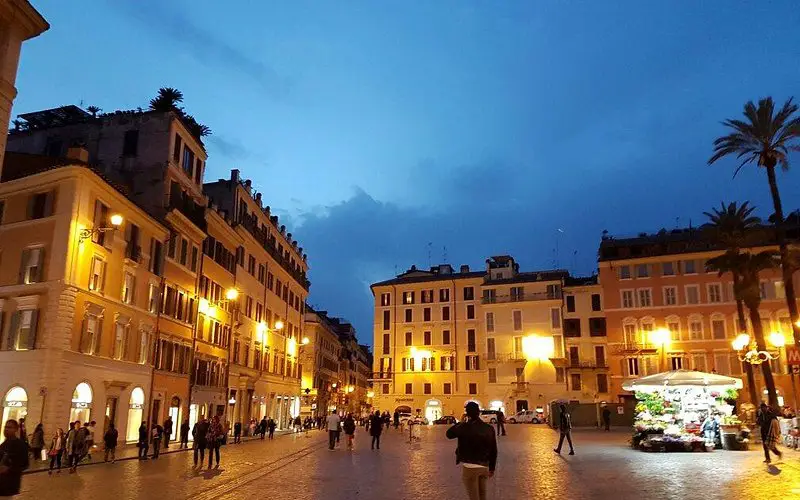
248	184
258	199
464	268
79	153
235	175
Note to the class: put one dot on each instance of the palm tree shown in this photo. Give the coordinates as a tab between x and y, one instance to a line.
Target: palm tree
166	100
93	110
748	266
734	227
764	139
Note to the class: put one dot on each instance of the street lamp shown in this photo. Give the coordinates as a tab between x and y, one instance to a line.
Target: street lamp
661	336
116	221
747	348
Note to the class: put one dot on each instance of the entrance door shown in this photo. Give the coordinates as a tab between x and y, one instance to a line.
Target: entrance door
522	405
156	411
111	413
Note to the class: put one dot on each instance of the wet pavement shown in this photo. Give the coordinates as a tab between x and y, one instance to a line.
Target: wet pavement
300	467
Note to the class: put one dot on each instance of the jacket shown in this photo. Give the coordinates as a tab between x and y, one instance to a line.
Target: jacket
168	426
349	426
476	443
375	425
564	422
185	429
142	434
110	438
37	441
14	455
199	432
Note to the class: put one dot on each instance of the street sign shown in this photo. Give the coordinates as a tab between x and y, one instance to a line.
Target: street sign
792	355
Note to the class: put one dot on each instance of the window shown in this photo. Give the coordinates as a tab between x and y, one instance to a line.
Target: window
172	245
718	328
642	271
668	269
469	293
470	311
629	332
471	340
722	363
386	343
446	337
444	295
386	299
625	272
426	314
409	316
517	293
446	313
447	363
597	327
763	290
385	388
21	335
571	303
645	297
426	338
633	367
409	339
714	292
143	356
559	375
555	318
130	143
572	327
471	362
386	320
447	388
780	290
198	171
596	305
188	162
97	274
627	299
408	297
409	389
695	329
600	355
602	383
575	381
427	296
492	375
251	265
156	263
699	362
517	343
120	340
676	362
489	296
490	348
40	205
689	267
193	263
100	220
517	319
473	388
489	322
670	296
152	298
692	293
31	270
128	287
176	150
426	388
90	335
674	327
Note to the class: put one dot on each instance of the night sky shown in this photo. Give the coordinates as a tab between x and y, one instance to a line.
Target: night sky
391	133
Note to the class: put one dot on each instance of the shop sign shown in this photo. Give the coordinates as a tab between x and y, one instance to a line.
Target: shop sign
620	410
81	404
792	355
15	404
136	406
404	400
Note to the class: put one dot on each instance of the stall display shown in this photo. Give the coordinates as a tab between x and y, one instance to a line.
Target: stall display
685	410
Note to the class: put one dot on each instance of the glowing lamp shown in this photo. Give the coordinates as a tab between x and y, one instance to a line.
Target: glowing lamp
203	306
231	294
777	339
370	394
291	346
279	325
741	341
116	220
261	330
660	336
305	341
537	347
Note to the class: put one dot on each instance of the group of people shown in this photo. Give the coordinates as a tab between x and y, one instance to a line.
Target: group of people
373	423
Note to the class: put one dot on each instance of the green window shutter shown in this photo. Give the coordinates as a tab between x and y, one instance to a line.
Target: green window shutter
40	267
32	334
12	332
25	256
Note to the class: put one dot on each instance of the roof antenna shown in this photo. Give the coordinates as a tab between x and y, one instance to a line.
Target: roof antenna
444	255
430	244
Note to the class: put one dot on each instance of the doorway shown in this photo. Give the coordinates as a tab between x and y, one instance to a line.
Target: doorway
156	411
15	406
522	405
111	413
433	410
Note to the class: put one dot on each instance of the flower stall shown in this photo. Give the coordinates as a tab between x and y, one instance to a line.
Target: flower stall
684	410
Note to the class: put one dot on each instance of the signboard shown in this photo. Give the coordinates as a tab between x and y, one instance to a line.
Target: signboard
792	355
620	410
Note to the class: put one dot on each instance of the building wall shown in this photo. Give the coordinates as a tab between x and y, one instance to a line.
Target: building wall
592	361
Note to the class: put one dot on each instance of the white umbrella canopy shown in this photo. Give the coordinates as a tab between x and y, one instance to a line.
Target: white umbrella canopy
682	378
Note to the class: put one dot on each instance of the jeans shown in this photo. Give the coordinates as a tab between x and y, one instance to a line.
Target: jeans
564	434
156	447
112	452
768	448
501	427
332	439
213	449
475	481
56	459
201	449
143	447
376	441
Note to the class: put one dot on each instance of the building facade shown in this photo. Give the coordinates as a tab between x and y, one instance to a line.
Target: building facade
320	364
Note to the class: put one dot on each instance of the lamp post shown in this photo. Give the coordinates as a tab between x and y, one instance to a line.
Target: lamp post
231	294
747	349
661	336
115	220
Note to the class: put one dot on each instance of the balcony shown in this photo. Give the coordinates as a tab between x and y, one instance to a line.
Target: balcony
508	357
519	387
380	376
191	210
632	348
575	364
524	297
133	253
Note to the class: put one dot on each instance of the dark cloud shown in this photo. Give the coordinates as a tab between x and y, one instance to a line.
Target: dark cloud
229	149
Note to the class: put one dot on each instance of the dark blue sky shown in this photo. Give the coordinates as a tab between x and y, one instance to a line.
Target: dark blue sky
385	131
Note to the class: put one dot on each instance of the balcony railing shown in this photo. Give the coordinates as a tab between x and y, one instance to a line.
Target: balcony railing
507	357
632	347
586	365
133	252
378	376
519	387
524	297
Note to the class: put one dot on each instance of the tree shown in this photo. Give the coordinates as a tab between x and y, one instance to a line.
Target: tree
93	110
735	227
166	100
765	139
748	266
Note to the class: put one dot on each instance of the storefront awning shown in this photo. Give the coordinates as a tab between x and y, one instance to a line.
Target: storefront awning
682	378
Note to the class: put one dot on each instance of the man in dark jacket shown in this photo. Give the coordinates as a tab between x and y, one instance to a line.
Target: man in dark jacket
375	429
565	429
476	451
13	460
199	433
143	442
501	423
262	427
606	418
167	431
110	443
185	434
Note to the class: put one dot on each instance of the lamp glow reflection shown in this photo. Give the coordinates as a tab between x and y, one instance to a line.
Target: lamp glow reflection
537	347
660	336
777	339
116	220
231	294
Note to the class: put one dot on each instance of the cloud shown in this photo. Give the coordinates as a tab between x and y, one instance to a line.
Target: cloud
230	149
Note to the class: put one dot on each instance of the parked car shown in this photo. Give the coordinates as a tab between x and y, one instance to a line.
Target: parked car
522	417
489	416
406	418
446	420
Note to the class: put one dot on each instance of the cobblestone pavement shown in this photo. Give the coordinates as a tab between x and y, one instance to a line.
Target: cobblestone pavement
299	467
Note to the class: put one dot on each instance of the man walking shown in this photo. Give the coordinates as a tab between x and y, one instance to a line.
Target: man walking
142	444
167	431
501	423
375	429
215	436
476	451
332	424
237	432
565	429
157	434
13	460
396	419
770	432
272	425
199	433
110	443
185	434
606	418
262	427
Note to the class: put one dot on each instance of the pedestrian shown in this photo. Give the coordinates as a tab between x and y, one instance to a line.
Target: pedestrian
770	432
252	427
606	418
157	433
387	419
110	443
214	439
78	445
68	440
297	424
262	427
375	428
396	419
501	423
23	430
272	424
143	442
565	429
37	442
167	431
476	451
349	430
199	434
237	432
56	450
185	434
90	438
332	424
13	459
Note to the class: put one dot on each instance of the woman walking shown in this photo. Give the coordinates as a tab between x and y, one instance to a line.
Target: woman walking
770	432
56	451
214	439
37	442
349	427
